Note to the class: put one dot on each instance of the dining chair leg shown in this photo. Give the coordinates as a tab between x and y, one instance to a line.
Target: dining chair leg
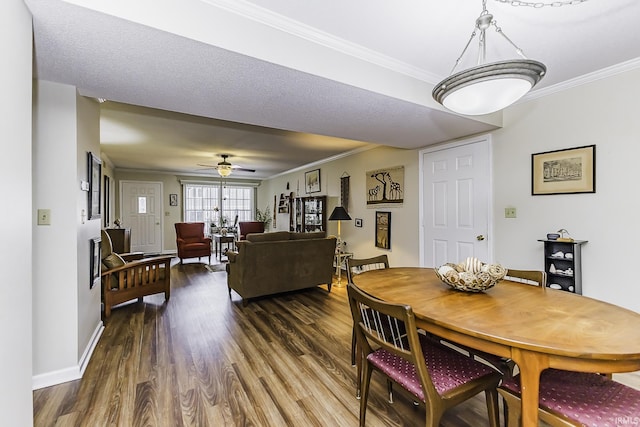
353	347
491	397
390	390
366	377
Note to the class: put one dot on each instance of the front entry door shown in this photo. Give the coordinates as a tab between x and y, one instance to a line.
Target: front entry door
141	211
455	202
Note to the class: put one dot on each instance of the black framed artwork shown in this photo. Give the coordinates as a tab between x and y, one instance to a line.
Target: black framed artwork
383	230
95	173
95	260
567	171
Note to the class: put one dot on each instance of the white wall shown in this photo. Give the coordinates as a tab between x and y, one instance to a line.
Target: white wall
66	313
16	407
404	219
602	113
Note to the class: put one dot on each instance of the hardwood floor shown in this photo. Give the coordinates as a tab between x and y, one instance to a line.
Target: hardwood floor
203	359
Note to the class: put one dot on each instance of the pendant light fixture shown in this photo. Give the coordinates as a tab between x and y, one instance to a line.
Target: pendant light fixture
488	87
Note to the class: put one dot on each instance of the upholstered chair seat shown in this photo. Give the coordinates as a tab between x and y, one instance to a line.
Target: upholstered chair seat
582	399
440	360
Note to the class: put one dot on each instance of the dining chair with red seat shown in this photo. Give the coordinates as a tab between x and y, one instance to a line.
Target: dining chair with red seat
433	374
576	399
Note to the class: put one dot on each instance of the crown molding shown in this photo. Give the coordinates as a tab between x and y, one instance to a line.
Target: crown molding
584	79
282	23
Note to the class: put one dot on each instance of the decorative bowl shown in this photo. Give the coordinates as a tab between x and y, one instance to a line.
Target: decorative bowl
471	275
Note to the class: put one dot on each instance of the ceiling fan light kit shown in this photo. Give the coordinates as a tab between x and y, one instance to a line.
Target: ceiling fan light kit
225	168
488	87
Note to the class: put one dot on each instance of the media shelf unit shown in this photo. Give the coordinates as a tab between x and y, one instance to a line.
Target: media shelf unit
563	272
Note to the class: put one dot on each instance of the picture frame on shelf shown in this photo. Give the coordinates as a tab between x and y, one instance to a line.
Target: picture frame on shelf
566	171
95	260
95	175
383	230
312	181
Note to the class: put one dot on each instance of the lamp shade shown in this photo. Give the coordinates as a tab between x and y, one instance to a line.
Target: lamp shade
339	214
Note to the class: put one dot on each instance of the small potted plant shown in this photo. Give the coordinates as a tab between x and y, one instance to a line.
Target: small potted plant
264	216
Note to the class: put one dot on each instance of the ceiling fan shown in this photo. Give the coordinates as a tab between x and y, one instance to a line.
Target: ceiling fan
225	168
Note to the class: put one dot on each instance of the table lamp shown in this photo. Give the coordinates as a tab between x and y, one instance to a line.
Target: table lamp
339	214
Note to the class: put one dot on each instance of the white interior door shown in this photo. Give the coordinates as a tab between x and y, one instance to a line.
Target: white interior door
456	191
141	211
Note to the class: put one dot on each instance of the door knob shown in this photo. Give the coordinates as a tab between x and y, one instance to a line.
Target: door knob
480	237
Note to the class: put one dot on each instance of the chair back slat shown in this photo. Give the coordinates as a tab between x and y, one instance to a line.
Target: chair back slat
391	327
529	277
357	266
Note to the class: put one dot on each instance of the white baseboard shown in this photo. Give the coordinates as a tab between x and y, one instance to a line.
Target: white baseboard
72	373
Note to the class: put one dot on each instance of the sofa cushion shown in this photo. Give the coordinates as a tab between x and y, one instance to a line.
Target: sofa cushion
268	237
113	260
303	236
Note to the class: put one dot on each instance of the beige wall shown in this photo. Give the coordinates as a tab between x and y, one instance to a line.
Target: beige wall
602	113
171	185
66	312
404	219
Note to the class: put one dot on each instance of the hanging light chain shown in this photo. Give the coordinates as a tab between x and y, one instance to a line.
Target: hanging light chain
539	4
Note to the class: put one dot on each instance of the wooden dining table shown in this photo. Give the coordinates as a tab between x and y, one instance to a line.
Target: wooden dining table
537	327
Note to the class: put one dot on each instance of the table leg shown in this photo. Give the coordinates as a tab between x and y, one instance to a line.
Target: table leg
531	365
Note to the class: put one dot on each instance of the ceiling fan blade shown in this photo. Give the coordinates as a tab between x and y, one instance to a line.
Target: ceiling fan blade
237	168
208	166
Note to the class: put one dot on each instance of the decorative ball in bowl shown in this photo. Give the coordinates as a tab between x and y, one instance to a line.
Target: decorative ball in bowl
472	275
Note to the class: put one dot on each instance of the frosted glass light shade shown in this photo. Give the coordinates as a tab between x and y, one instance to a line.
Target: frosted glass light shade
488	88
224	170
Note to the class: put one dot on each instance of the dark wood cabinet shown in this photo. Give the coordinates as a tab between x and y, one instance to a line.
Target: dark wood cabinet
310	214
563	265
120	239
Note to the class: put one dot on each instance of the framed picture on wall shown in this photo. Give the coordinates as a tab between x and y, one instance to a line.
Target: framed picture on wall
95	175
95	259
568	171
312	181
173	199
383	230
106	216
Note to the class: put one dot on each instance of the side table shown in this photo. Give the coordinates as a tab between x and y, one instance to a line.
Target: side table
219	240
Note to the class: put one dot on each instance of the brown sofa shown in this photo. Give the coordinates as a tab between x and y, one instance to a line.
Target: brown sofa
270	263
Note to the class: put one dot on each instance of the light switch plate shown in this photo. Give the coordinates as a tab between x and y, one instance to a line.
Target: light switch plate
44	216
509	212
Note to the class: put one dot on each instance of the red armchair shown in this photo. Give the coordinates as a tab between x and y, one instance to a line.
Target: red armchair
247	227
191	241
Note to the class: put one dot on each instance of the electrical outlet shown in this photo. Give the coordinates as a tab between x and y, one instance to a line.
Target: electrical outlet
509	212
44	216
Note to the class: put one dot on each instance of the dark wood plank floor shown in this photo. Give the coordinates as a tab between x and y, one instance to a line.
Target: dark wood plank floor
203	359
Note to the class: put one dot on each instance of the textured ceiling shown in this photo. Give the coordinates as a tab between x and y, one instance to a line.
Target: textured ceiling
281	84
